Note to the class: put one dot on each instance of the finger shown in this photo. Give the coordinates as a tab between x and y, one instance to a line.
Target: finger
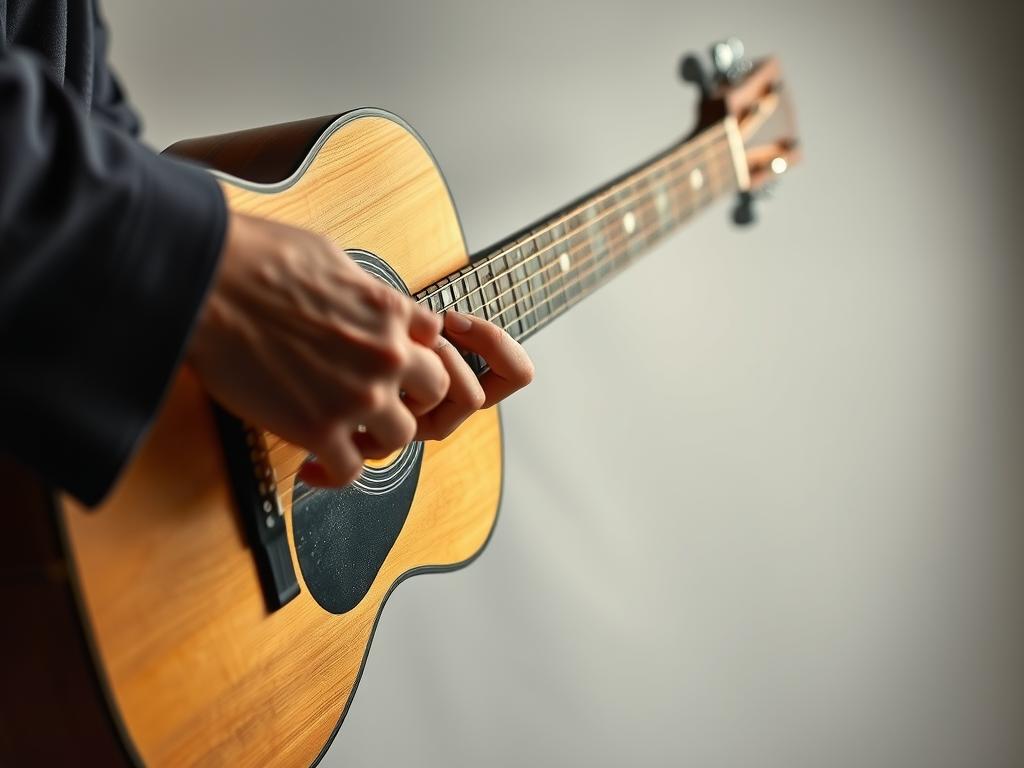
424	325
510	366
337	463
465	396
386	431
426	380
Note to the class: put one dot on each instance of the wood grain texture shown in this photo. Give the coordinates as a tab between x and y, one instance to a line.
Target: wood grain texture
199	672
48	684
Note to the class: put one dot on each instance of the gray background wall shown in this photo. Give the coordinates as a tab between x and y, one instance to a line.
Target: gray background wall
763	503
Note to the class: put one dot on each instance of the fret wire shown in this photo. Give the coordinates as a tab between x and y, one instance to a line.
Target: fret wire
535	280
504	285
550	257
514	294
600	278
495	276
492	294
518	297
681	154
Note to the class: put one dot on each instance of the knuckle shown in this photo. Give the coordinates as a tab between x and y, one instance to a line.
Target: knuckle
372	398
426	315
374	292
392	357
268	272
288	250
386	298
442	384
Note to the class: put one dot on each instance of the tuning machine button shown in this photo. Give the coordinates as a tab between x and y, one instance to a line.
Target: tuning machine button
743	212
727	57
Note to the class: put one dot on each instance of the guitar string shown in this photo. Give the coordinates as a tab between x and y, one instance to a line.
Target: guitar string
632	181
645	201
570	302
642	206
640	197
581	254
673	157
681	211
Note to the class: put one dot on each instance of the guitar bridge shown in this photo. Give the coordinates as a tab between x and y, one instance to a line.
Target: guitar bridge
255	492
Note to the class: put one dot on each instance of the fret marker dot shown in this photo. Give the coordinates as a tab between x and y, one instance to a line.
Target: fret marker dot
661	201
563	262
696	178
629	222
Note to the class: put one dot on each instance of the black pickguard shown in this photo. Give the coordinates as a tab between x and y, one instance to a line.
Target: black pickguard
343	536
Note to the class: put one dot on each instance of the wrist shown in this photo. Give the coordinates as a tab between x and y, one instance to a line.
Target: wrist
211	312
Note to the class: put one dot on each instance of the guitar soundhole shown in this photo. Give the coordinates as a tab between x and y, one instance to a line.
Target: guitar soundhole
342	537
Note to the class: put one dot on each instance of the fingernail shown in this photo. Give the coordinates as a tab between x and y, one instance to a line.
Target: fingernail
456	322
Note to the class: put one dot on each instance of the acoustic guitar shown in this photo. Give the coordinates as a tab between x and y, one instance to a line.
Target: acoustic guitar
214	610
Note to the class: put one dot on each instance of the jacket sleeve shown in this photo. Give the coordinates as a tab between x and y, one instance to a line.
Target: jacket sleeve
106	252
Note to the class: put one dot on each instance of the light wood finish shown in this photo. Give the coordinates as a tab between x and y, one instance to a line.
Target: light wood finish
199	672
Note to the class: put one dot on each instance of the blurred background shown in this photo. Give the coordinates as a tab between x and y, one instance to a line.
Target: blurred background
763	504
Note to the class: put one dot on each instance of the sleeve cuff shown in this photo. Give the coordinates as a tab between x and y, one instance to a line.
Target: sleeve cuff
169	257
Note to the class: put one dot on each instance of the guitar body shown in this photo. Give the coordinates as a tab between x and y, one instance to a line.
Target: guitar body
214	610
195	665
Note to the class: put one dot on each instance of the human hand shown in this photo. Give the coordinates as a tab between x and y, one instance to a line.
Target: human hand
298	339
510	369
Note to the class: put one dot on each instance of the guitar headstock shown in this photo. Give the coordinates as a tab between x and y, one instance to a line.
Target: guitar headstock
754	95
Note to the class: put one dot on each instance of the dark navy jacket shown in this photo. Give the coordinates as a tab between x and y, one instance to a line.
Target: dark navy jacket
106	252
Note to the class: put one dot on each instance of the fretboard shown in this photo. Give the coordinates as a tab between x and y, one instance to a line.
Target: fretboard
536	275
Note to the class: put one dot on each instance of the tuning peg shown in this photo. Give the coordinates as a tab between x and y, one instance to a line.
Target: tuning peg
691	69
728	61
743	213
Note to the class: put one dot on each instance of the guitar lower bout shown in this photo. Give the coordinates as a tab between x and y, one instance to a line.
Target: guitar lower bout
198	664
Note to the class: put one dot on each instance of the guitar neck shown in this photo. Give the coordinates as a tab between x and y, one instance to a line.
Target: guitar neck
525	282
